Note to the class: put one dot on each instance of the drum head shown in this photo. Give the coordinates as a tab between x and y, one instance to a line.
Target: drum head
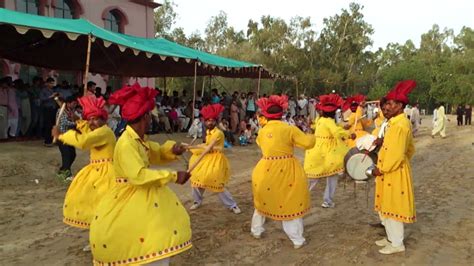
365	142
357	165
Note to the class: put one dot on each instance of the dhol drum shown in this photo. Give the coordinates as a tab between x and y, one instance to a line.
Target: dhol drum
360	158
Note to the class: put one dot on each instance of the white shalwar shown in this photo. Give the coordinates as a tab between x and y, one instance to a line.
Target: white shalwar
294	229
331	184
395	231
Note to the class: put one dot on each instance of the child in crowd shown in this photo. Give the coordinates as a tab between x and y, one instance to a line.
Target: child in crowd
243	141
248	134
195	130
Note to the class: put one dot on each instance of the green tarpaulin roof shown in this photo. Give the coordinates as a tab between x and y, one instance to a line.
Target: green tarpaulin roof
62	44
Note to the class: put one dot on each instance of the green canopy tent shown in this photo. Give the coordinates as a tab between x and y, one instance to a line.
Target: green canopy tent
62	44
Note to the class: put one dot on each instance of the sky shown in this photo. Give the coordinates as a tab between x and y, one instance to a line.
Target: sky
392	20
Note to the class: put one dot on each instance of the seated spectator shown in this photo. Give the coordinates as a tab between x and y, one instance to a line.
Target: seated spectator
183	119
249	134
174	119
224	126
195	130
243	139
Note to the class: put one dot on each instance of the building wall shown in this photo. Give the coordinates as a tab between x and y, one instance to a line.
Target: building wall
139	21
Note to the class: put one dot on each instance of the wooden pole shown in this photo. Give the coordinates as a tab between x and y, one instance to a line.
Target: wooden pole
203	86
258	84
88	58
194	89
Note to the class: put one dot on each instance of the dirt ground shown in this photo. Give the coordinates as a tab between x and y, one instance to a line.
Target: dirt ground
32	232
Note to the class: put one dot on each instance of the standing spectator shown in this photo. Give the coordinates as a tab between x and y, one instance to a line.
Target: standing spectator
215	98
13	111
234	116
98	92
226	102
25	108
303	105
48	110
3	109
108	91
35	104
229	135
460	113
292	106
415	119
251	106
312	109
65	90
242	103
468	115
183	119
185	97
66	122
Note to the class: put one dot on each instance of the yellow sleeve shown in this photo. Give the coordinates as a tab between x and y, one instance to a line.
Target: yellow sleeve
218	137
136	171
86	139
395	143
161	153
337	131
410	150
351	119
302	140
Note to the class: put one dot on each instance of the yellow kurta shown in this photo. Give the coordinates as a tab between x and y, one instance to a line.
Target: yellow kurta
378	123
95	179
326	158
213	171
357	128
140	220
279	184
394	196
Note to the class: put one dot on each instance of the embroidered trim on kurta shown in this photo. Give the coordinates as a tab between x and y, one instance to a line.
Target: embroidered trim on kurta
327	137
101	160
284	217
121	180
214	188
148	257
76	223
277	157
398	217
337	171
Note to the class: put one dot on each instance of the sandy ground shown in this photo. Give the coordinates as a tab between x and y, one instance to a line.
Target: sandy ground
32	232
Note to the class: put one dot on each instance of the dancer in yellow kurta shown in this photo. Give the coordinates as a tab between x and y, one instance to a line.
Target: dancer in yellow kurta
96	178
326	158
140	220
441	120
279	184
356	122
394	197
213	171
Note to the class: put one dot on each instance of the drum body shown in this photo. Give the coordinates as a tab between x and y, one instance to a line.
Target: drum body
357	162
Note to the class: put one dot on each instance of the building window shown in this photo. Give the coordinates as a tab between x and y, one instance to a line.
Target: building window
28	6
113	21
63	9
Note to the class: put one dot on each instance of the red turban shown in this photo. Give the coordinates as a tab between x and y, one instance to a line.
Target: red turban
212	111
356	99
274	100
401	90
329	102
134	101
93	107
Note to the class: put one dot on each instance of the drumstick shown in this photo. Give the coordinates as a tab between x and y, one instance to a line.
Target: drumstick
201	156
61	111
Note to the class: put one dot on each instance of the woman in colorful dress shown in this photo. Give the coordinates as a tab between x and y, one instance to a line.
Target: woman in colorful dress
213	171
326	158
279	184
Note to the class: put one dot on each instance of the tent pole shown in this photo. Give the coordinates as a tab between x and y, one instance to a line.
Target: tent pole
88	57
194	89
259	79
203	86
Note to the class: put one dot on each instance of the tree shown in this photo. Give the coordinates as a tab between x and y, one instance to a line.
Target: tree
165	18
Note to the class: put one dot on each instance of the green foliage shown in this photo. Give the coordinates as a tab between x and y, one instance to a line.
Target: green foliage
338	57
